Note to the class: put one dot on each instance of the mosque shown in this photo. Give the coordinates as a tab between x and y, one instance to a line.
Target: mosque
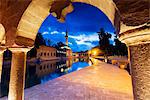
51	53
66	47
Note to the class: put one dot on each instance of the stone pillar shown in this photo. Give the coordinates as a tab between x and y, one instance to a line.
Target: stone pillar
1	61
17	75
138	42
140	70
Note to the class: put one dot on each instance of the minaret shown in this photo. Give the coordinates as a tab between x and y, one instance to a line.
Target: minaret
66	38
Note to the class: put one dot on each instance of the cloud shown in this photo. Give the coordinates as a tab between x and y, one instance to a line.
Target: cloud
57	32
63	33
83	37
85	40
85	43
54	32
45	33
70	43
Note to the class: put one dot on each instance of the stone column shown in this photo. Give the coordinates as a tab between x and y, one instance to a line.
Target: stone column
1	61
138	42
17	75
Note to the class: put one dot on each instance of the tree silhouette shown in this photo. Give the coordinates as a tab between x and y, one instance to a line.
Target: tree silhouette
60	44
120	48
39	40
32	52
104	41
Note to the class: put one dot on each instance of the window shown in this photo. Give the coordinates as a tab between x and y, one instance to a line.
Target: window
40	67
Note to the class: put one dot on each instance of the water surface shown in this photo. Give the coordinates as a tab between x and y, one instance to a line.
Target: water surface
41	72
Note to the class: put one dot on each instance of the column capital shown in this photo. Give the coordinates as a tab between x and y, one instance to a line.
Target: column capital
140	35
19	49
2	49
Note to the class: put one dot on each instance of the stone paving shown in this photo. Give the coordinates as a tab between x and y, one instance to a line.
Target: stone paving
98	82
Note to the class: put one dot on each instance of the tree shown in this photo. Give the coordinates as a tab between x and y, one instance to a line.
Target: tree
32	52
120	48
104	42
60	44
39	40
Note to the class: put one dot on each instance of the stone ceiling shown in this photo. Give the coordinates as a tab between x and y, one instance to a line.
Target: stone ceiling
134	12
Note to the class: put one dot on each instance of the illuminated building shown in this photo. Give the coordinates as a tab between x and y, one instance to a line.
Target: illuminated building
66	47
46	53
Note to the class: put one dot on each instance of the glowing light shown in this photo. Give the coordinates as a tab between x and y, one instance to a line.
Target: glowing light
94	53
2	32
62	70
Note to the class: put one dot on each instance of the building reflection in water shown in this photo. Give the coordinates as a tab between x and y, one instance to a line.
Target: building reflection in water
41	72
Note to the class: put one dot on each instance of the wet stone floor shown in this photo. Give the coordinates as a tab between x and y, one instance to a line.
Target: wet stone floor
98	82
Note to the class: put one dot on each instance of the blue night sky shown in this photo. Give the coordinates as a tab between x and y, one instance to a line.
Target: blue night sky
82	25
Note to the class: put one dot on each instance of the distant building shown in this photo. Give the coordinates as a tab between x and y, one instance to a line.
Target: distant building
75	54
82	54
51	53
47	53
68	50
61	53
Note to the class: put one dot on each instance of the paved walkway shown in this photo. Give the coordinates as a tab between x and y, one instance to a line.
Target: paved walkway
98	82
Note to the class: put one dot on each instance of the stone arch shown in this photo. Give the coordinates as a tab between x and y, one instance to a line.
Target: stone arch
38	10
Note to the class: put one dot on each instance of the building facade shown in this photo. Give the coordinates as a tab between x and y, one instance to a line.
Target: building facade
47	53
81	54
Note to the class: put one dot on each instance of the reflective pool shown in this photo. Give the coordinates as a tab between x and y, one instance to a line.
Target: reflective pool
41	72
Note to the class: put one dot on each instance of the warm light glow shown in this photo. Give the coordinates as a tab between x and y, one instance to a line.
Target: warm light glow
2	32
94	53
89	52
62	70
